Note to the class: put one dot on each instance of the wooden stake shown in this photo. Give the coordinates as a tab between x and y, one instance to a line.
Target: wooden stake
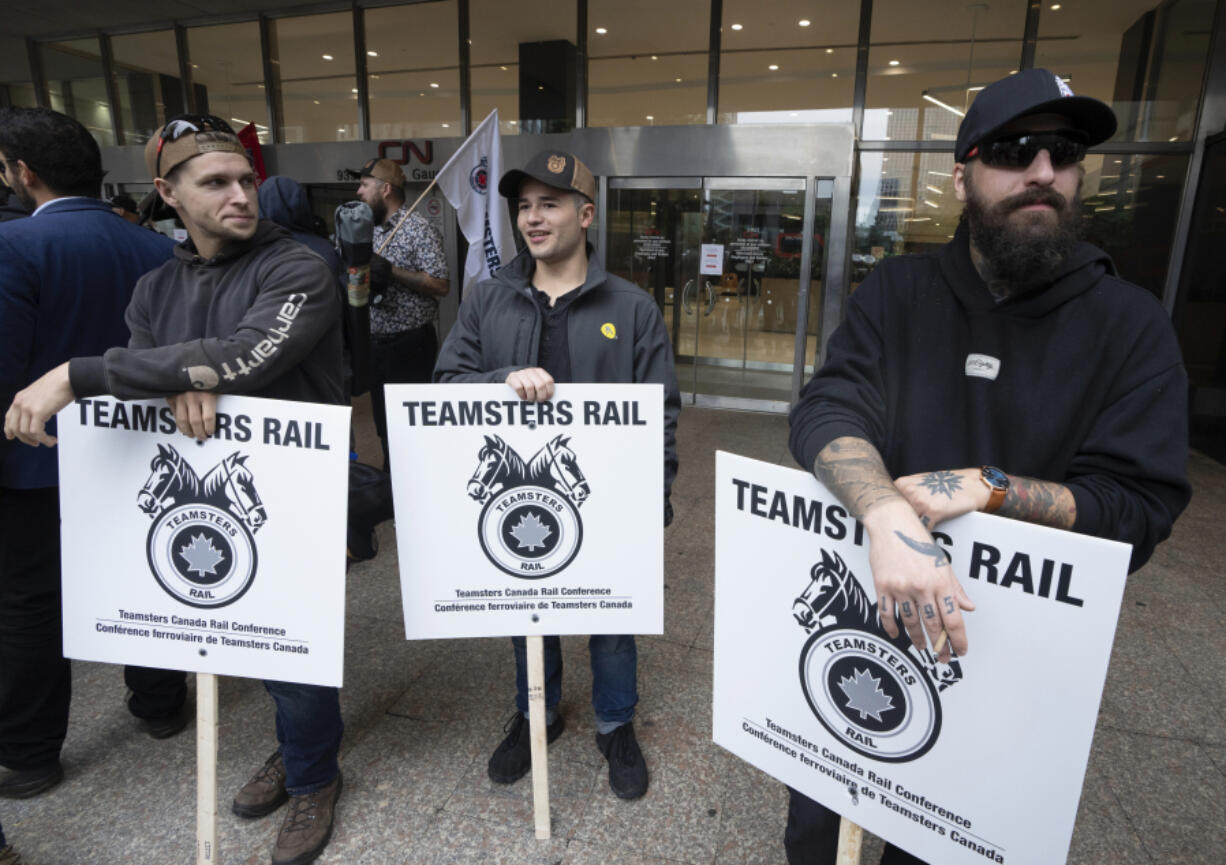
850	838
405	219
537	730
206	769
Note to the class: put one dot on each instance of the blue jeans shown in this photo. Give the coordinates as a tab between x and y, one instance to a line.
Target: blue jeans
309	729
812	835
614	676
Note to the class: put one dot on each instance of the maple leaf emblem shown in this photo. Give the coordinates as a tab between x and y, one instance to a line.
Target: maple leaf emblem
201	556
530	532
864	695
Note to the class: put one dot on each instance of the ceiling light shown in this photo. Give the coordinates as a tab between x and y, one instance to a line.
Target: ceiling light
446	125
893	62
931	204
1055	6
503	68
372	53
238	121
1174	138
829	50
773	67
434	84
354	90
934	189
316	101
738	26
195	65
834	75
340	129
602	30
935	101
678	80
651	117
512	122
655	57
1161	177
803	22
327	56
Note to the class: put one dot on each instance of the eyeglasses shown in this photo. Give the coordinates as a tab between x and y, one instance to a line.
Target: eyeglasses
185	124
1064	146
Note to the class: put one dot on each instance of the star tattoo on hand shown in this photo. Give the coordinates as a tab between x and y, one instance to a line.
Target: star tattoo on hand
941	483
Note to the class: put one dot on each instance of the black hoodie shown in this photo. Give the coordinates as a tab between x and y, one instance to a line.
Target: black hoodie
1089	388
261	318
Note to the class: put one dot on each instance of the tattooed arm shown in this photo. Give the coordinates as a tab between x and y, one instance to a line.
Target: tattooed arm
910	572
942	495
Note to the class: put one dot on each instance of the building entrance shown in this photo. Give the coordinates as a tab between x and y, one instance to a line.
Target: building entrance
736	265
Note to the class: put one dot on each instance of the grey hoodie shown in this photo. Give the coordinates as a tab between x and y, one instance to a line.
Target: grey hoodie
262	318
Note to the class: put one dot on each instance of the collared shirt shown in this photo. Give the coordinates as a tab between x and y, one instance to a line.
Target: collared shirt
55	200
416	247
553	355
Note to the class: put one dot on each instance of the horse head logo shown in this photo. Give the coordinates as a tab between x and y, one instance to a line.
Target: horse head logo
232	485
169	478
498	466
556	466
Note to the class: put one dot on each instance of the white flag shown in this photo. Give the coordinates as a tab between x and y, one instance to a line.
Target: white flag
470	182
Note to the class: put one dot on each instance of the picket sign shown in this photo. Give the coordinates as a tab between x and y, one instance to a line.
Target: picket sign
206	770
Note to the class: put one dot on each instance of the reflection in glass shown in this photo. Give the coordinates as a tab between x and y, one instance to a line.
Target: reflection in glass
229	74
497	29
76	86
773	69
823	209
906	204
649	67
1143	58
414	83
315	70
18	94
147	81
927	61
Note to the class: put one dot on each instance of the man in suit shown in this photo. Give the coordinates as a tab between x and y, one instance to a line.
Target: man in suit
66	275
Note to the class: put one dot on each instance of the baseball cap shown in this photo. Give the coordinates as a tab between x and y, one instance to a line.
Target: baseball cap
124	202
555	168
1032	91
385	170
177	141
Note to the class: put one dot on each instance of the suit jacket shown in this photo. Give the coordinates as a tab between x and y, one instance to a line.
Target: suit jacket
66	276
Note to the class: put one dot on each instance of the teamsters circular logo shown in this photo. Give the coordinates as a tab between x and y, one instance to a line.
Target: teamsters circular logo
869	695
530	531
479	177
529	525
201	546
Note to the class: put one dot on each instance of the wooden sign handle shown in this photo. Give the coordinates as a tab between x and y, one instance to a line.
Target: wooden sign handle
537	731
850	838
206	769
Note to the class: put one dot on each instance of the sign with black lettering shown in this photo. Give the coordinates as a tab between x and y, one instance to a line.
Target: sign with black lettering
225	557
977	760
521	517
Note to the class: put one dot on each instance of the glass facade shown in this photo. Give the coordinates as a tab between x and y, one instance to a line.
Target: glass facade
228	74
147	82
414	83
314	74
76	86
647	62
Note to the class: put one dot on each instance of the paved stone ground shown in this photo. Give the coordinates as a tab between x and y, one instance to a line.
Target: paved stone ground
422	718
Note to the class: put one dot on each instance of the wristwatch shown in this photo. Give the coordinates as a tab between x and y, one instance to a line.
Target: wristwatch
998	484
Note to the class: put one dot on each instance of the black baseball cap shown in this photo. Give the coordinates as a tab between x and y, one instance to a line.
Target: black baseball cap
555	168
124	202
1033	91
383	169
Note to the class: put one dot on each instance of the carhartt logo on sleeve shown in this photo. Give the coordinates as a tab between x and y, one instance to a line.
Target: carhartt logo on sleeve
982	366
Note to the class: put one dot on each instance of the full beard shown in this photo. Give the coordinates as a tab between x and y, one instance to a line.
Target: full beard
379	211
1021	251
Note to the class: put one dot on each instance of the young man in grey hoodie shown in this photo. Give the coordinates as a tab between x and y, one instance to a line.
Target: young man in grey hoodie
201	325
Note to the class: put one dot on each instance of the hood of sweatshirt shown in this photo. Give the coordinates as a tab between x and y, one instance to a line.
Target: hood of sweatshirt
266	232
1084	268
285	202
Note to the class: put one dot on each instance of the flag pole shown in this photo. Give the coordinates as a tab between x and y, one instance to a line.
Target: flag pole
537	731
206	769
401	223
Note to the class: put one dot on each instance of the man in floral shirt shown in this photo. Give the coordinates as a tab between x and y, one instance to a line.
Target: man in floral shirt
408	274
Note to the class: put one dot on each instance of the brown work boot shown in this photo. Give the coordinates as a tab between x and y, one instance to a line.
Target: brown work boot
265	792
308	826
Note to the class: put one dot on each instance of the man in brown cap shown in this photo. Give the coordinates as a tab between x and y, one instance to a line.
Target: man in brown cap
408	274
200	326
554	315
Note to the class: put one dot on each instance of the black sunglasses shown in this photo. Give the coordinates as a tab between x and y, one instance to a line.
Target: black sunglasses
1065	147
186	124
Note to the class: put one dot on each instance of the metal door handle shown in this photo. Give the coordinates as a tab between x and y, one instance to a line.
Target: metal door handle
686	294
710	296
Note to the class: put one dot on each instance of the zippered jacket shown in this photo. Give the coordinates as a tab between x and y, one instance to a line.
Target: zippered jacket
498	331
261	318
1079	382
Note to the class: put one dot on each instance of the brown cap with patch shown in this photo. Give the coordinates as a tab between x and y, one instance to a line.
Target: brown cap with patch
385	170
555	168
179	140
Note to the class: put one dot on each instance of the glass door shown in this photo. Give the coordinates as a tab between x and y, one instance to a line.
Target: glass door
725	259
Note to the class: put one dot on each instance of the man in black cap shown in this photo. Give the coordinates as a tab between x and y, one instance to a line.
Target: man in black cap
126	206
554	315
408	274
1011	372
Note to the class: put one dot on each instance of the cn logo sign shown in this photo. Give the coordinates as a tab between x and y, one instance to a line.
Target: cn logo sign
404	151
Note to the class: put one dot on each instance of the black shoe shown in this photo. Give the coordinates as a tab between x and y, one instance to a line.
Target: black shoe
627	768
513	758
164	728
24	783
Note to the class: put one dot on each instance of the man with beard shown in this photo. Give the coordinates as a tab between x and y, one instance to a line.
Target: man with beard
1010	372
408	274
199	328
66	275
